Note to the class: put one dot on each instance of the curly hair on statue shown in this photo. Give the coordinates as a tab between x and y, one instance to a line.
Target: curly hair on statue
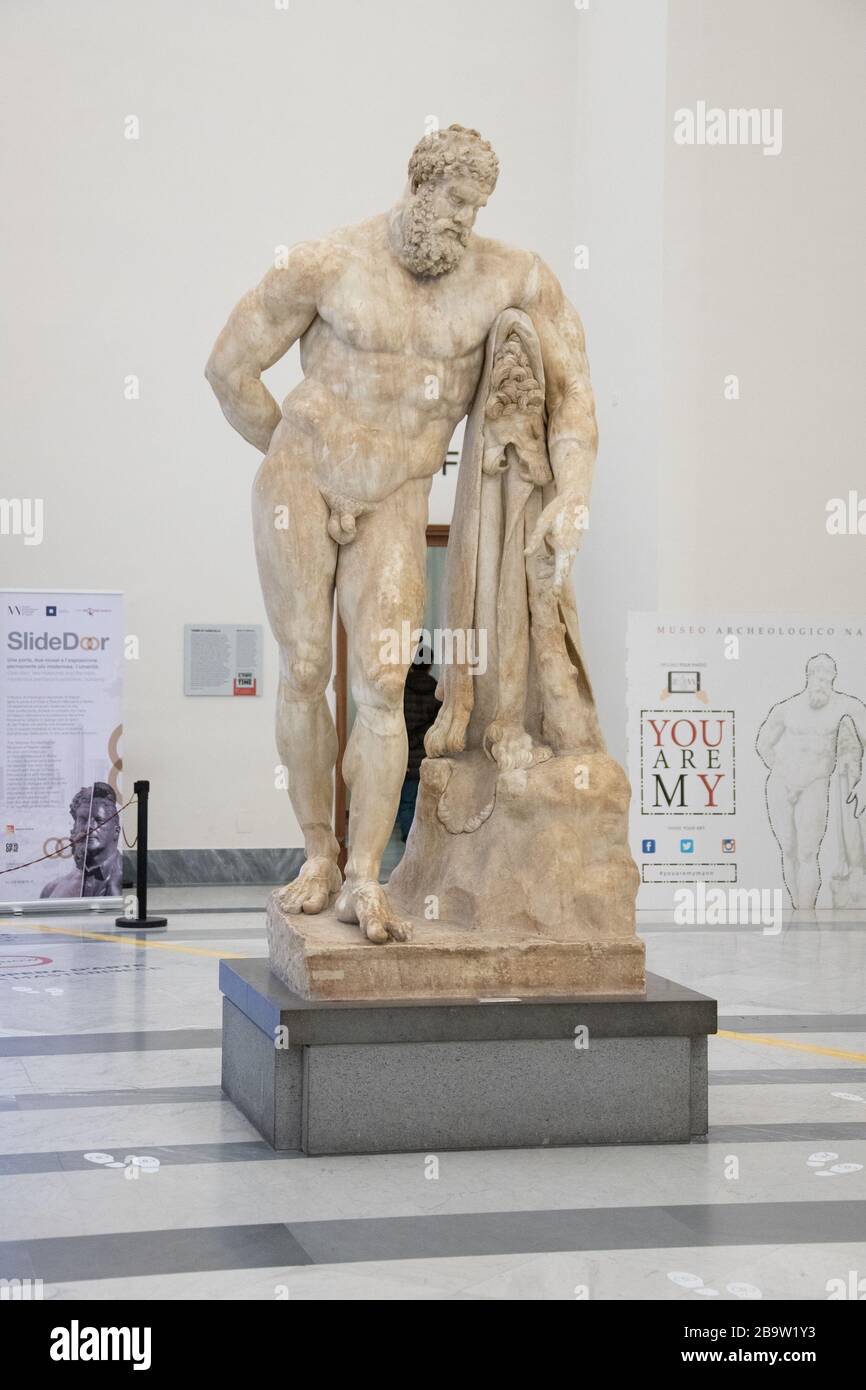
453	151
513	384
100	791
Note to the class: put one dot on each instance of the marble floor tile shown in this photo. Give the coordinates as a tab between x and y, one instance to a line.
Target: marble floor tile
738	1275
32	1130
99	1199
741	1274
780	1104
729	1053
194	1066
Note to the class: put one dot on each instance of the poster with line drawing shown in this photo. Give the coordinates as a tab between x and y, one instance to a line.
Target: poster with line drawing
746	739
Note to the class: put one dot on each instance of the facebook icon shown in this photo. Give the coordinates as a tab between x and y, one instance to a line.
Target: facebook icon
648	846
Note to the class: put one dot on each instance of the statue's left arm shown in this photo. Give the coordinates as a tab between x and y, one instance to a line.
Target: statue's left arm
856	712
572	434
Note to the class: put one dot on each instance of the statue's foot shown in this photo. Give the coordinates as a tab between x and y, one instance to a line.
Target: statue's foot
367	904
311	890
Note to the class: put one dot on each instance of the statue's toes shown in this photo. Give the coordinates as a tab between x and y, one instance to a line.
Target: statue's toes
291	897
315	900
344	908
375	930
398	929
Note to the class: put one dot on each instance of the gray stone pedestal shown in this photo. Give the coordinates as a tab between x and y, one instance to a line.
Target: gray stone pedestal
350	1078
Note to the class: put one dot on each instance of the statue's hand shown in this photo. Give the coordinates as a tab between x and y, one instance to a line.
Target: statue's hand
857	798
556	538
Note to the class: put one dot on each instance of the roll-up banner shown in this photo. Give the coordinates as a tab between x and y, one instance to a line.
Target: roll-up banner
61	657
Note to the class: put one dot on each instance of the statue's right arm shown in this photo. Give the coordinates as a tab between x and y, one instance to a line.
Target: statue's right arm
768	736
260	330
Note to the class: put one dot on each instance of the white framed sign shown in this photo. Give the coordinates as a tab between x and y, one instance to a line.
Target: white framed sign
222	659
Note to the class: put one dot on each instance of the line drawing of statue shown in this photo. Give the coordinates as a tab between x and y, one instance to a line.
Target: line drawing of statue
98	871
799	742
848	882
393	317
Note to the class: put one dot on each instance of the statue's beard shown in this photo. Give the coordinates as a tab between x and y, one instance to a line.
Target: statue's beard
421	247
97	848
818	698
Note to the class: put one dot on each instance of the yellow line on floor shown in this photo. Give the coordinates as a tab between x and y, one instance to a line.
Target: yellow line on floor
795	1046
134	941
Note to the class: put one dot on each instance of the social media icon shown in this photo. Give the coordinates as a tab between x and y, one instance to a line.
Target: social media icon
51	610
687	846
729	846
648	846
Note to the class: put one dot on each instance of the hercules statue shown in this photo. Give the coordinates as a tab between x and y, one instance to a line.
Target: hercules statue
393	315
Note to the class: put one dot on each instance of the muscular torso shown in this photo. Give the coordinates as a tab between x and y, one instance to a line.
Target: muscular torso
806	749
391	362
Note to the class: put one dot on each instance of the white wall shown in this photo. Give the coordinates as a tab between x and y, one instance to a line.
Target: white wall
618	212
764	279
258	127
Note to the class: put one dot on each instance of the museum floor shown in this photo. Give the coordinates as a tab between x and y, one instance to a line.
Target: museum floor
112	1049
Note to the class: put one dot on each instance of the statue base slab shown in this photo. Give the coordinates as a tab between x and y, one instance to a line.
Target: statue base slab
318	957
324	1077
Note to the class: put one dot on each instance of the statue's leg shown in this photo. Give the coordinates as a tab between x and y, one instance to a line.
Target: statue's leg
810	818
380	591
297	561
780	809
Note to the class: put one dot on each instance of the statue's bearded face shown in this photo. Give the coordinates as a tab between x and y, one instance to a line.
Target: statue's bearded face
104	827
819	685
437	223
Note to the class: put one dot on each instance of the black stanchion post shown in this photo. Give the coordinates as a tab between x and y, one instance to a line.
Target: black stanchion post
142	792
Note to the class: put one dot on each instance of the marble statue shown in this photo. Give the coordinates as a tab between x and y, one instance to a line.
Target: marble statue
407	323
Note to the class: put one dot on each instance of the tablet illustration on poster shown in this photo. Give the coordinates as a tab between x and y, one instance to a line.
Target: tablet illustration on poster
732	788
61	655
